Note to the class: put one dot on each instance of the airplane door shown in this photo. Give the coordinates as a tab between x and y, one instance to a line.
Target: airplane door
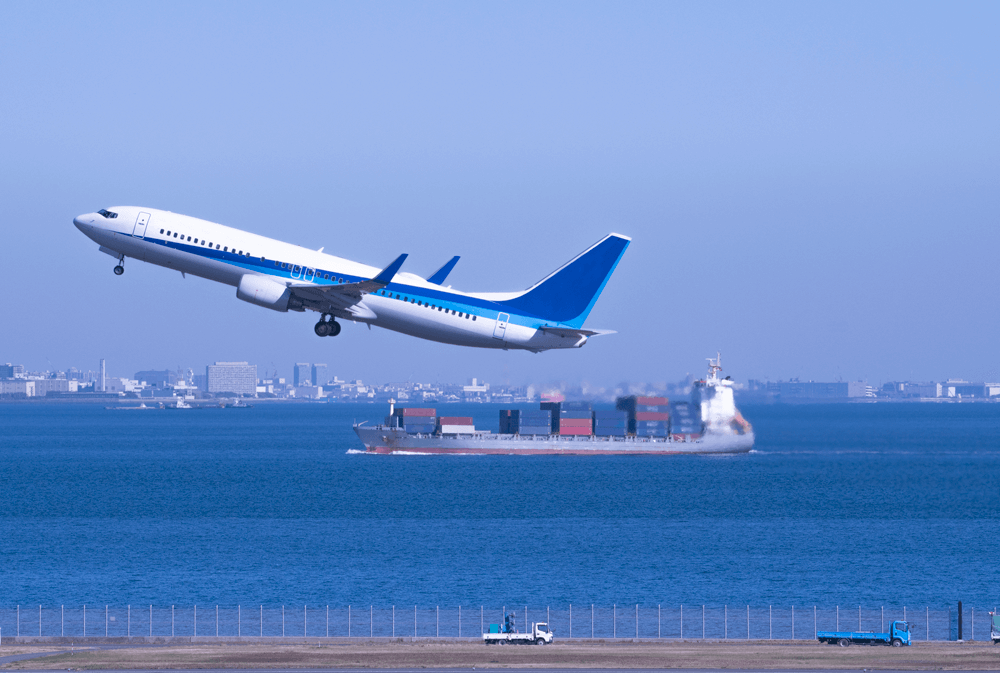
501	328
140	225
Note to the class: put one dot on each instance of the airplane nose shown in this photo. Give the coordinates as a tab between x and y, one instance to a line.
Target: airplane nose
82	221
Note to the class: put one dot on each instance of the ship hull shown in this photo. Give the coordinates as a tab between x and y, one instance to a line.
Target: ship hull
380	439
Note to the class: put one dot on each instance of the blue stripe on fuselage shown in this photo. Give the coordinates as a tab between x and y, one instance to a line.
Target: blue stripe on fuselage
471	305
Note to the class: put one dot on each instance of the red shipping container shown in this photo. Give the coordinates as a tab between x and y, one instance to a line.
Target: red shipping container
573	431
575	422
651	401
651	416
409	411
455	420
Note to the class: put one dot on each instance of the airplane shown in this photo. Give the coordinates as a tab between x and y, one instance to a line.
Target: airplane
286	277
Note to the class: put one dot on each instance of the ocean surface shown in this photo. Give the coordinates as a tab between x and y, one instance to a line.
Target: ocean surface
874	504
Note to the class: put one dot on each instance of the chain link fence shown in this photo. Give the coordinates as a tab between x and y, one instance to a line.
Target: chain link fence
688	622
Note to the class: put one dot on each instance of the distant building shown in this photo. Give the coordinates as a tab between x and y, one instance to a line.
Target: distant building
7	371
236	378
17	389
302	374
816	390
157	378
319	375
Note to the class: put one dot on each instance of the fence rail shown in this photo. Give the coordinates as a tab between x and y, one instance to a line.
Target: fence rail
688	622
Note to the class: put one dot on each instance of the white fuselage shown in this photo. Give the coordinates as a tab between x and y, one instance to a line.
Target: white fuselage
408	304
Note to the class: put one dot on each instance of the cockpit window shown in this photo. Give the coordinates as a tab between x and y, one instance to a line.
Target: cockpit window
107	213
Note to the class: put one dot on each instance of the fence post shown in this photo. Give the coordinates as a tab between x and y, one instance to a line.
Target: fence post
328	622
19	620
62	620
283	621
927	622
725	619
171	621
591	621
348	620
39	621
128	623
196	620
770	624
882	621
239	621
414	622
793	622
261	621
150	620
371	621
637	621
482	620
859	618
437	621
703	622
570	620
814	622
216	620
748	622
305	621
105	622
459	621
614	620
525	618
393	621
84	620
838	618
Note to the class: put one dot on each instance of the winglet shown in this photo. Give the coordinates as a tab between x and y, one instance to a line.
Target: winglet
388	273
438	276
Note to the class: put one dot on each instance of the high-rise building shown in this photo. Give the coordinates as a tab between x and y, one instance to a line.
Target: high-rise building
103	377
319	375
237	378
7	371
160	379
302	376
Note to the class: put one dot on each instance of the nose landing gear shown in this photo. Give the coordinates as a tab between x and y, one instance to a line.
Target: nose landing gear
120	269
327	326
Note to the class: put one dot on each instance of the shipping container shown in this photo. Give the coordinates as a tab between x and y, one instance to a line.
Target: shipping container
652	416
533	430
574	431
412	411
577	406
423	429
457	429
610	432
455	420
513	421
575	423
574	413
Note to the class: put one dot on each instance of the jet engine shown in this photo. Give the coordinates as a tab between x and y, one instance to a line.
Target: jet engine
262	291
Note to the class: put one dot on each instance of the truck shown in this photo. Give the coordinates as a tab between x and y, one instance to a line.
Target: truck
507	633
898	635
995	627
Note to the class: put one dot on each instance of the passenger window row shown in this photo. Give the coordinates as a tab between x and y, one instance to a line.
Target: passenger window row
203	242
432	307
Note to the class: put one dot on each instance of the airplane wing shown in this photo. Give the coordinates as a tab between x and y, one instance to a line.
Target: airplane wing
438	276
346	297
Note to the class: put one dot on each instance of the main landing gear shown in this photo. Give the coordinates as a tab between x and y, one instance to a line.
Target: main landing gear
327	326
120	269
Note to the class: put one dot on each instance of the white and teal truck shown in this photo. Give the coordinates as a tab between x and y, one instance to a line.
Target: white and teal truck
995	627
898	635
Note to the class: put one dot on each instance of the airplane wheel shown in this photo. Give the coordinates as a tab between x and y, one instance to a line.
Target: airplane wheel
119	270
335	328
322	329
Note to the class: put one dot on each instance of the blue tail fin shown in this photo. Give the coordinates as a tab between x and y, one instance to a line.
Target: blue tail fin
567	295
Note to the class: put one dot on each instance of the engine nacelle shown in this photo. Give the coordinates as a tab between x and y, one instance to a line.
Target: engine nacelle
262	291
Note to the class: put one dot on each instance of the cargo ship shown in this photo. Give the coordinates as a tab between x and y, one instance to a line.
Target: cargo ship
706	424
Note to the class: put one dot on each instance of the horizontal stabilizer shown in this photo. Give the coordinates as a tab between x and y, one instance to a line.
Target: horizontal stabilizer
569	332
438	276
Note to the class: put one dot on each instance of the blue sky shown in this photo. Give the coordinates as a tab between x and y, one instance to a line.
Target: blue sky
811	187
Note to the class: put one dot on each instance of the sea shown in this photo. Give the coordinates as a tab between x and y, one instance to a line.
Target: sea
838	504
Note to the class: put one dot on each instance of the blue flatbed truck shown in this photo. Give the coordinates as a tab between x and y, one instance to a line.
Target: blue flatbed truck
898	635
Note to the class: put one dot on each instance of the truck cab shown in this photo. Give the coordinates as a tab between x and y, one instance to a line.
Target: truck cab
899	633
995	627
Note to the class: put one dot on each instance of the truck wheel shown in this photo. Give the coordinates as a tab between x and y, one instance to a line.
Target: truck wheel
539	641
844	642
897	642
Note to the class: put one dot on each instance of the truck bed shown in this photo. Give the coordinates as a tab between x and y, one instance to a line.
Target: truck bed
869	637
